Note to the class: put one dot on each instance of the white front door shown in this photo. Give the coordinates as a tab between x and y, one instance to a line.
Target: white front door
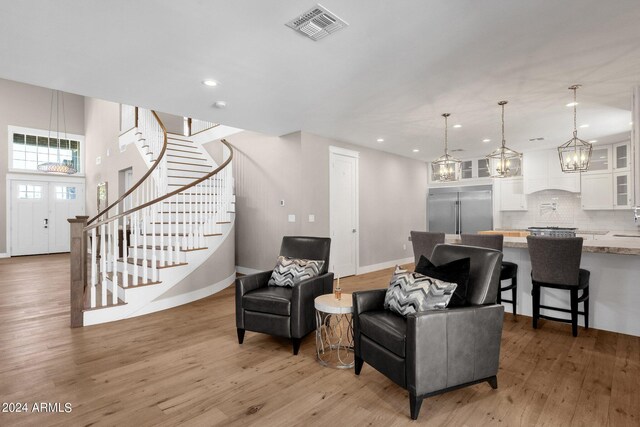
39	213
66	200
29	217
343	206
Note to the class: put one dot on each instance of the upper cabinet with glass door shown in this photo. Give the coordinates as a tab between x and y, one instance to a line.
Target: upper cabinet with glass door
600	159
622	182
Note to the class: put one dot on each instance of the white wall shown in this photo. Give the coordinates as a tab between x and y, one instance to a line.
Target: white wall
102	120
295	168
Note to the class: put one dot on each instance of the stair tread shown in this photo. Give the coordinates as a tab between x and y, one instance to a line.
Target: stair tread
173	156
183	151
190	164
191	171
158	264
182	234
131	280
164	248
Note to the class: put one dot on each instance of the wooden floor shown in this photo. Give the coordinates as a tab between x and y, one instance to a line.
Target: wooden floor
184	366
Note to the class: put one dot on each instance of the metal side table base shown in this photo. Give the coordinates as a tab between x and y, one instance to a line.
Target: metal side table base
334	331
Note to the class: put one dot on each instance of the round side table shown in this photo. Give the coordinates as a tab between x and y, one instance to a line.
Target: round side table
334	331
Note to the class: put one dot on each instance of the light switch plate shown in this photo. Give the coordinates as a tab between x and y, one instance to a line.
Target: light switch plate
98	160
312	218
292	218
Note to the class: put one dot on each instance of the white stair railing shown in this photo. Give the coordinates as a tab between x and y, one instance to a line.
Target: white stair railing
128	246
196	126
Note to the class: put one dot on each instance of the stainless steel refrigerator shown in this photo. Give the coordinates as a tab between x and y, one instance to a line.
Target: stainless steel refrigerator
457	210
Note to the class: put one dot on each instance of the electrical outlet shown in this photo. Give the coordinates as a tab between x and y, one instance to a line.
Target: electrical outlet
292	218
312	218
98	160
282	202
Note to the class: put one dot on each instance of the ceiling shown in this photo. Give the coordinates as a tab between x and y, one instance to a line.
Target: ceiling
389	74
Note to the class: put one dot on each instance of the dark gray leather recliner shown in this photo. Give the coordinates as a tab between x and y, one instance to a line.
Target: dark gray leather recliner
283	311
440	350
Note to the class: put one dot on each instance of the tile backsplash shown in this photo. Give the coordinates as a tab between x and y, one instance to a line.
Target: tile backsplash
568	213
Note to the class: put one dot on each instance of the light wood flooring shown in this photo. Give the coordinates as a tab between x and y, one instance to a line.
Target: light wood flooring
184	366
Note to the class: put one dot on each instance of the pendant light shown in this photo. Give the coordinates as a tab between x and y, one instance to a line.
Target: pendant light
575	154
503	162
446	168
59	166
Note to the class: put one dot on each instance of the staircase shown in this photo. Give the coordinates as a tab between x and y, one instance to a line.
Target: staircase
147	250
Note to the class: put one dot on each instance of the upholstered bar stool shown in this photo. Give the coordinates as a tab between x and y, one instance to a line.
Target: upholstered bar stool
509	270
555	263
423	243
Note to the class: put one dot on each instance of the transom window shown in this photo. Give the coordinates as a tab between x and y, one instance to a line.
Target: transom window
30	191
31	150
65	193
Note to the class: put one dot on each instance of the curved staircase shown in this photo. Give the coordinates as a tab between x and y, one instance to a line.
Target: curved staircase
167	241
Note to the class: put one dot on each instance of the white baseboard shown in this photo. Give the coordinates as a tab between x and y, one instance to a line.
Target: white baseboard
4	255
381	266
247	270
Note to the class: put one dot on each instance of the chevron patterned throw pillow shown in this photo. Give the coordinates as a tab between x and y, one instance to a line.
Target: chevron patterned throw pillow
410	293
291	271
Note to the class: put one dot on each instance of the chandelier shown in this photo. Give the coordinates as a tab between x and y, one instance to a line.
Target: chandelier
446	168
60	166
575	154
503	162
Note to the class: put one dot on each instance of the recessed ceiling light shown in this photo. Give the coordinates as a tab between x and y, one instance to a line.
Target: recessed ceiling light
220	104
380	140
572	104
486	140
415	150
457	126
210	83
593	141
584	126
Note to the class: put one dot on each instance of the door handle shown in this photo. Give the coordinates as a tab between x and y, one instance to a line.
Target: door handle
46	223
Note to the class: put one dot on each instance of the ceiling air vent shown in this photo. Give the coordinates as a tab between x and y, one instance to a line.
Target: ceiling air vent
536	139
317	23
457	150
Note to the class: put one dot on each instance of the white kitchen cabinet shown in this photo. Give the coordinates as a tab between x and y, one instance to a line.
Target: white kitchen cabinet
600	159
541	171
512	197
622	190
596	191
621	158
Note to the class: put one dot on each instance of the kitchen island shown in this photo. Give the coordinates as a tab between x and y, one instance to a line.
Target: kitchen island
614	286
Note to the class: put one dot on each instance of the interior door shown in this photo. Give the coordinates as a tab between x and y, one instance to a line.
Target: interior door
66	200
476	211
343	206
29	218
442	212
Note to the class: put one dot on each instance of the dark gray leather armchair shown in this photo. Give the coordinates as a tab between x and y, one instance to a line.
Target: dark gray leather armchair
283	311
436	351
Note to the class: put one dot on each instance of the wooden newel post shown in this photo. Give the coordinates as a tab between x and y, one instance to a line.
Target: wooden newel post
78	268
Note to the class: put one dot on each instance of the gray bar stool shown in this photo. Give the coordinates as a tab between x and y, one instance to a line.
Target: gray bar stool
423	243
555	263
509	270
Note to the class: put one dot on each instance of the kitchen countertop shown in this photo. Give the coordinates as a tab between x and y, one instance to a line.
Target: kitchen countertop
606	243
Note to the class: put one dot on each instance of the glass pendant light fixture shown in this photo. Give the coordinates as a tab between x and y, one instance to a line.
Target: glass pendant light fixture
575	154
59	166
446	168
503	162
